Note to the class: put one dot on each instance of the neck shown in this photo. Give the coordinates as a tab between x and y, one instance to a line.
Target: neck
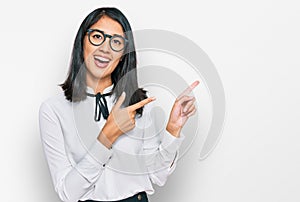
98	85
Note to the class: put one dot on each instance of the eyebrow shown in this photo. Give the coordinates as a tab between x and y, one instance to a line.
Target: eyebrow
108	33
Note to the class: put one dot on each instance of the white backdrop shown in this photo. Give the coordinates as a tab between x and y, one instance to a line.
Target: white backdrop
255	47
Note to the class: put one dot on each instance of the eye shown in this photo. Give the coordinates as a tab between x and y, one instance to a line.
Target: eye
117	42
97	36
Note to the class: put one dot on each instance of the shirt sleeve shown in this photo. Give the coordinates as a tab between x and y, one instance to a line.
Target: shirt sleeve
70	181
160	148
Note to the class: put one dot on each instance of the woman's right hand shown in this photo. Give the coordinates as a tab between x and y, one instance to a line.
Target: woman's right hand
120	120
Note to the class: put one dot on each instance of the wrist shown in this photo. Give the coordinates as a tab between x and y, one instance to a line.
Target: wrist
175	131
104	140
108	135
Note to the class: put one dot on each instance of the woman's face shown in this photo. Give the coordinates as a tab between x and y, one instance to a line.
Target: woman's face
101	60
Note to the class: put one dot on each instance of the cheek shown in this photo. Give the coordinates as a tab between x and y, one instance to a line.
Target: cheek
116	60
114	65
117	56
87	51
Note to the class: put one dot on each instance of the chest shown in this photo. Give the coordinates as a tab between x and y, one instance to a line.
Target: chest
80	130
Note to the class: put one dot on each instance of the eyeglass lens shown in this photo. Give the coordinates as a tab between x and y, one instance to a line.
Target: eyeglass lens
117	43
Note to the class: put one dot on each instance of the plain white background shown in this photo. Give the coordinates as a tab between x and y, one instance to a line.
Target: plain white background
255	47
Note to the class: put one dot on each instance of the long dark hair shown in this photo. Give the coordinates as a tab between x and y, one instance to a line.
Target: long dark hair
124	77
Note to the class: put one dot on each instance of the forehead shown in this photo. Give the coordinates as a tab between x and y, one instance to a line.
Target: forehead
108	25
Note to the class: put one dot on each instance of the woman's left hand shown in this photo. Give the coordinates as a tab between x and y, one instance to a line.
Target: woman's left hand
182	109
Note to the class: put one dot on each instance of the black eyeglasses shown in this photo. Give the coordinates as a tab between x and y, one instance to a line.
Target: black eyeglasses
97	37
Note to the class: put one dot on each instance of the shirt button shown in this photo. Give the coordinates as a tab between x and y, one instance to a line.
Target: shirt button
139	197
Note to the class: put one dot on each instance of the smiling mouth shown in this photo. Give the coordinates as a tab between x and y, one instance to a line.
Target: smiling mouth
101	62
102	59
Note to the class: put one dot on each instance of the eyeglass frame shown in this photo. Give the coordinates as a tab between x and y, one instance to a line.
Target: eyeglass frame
89	31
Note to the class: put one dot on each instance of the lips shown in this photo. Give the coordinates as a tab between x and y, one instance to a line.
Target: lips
101	61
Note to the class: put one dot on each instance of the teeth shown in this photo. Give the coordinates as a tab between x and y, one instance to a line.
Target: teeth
102	59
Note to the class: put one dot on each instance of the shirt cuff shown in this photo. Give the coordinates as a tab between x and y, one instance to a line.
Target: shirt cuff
100	153
171	143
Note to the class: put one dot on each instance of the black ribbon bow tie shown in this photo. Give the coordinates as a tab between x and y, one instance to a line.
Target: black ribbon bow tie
101	105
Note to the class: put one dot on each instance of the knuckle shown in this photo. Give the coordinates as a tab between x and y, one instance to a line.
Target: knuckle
132	121
131	126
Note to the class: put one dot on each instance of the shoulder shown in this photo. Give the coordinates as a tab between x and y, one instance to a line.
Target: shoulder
152	109
55	104
148	107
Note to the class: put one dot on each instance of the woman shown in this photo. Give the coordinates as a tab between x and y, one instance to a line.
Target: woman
98	135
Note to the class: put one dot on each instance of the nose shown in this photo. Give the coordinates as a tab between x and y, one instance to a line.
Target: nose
105	47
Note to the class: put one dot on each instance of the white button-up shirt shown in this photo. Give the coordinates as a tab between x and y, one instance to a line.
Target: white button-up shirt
83	168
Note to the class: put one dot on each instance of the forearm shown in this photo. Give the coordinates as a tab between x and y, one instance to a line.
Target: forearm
161	161
72	181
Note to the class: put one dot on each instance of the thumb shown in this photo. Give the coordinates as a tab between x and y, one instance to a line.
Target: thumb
120	100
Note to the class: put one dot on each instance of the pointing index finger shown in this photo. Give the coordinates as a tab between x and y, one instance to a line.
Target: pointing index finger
141	103
189	89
